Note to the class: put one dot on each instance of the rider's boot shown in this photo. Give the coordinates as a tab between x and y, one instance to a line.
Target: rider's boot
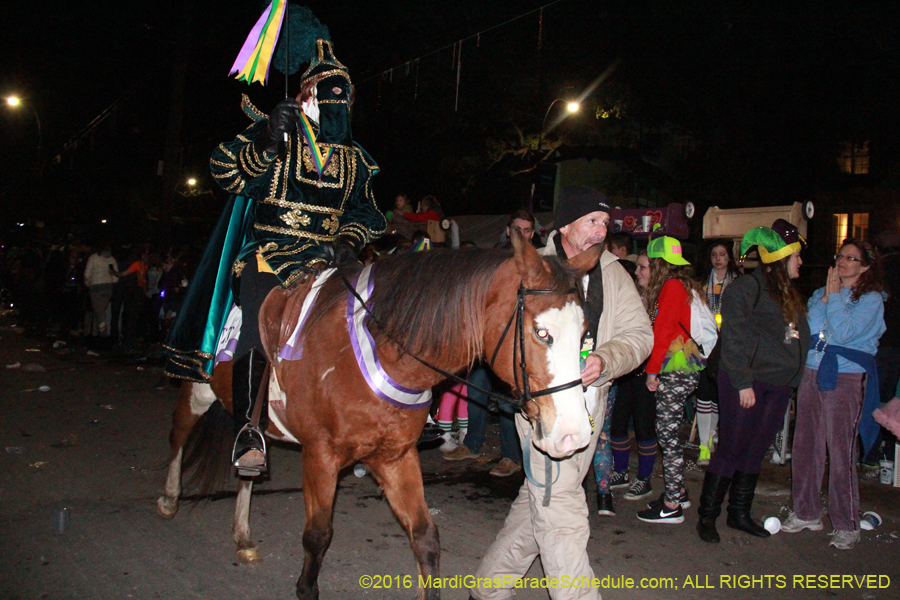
249	454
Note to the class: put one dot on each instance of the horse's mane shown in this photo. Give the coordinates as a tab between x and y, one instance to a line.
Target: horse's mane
428	302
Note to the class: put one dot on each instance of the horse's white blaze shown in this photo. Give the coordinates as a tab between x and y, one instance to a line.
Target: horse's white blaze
572	430
202	397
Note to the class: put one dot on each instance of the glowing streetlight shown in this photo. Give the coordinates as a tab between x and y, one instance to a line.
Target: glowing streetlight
15	101
571	107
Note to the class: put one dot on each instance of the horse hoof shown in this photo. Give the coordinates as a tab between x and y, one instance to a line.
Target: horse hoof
248	555
166	508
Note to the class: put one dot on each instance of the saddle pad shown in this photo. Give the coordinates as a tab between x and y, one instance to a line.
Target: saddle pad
228	339
367	355
293	347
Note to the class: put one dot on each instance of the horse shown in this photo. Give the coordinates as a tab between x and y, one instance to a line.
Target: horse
430	315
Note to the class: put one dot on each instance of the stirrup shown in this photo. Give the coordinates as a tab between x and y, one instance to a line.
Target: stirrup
251	444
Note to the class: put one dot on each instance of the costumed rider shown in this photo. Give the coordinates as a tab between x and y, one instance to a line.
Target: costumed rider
307	202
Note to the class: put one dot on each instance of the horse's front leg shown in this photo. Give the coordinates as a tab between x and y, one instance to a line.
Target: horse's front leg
401	480
247	551
320	471
194	400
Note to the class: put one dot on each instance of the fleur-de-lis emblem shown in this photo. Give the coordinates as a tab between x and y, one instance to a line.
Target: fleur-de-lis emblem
295	218
330	224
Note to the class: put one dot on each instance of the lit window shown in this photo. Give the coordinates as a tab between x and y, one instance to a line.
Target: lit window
854	159
855	225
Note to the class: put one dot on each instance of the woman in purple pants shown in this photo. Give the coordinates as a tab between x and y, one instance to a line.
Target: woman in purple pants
847	319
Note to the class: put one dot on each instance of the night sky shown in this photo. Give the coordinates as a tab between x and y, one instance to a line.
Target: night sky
768	89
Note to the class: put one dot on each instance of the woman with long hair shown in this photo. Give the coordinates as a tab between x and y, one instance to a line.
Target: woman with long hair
673	368
847	316
634	402
719	270
764	339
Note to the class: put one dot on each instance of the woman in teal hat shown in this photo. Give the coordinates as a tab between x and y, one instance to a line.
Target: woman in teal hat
673	368
764	339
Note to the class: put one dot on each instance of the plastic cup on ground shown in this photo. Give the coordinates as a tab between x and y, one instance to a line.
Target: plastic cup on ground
772	525
870	520
359	470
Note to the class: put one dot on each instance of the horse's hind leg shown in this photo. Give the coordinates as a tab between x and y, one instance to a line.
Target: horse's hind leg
402	483
194	401
320	471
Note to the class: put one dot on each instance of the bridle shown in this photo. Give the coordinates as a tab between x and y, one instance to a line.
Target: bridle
519	346
518	349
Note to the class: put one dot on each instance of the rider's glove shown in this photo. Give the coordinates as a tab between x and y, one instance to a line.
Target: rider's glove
283	119
344	250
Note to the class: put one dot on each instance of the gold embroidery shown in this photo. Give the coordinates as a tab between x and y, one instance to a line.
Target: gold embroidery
268	247
330	224
335	168
291	232
300	205
250	110
295	218
238	267
331	170
227	152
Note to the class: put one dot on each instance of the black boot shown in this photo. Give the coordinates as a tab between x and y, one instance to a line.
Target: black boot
740	499
249	455
714	489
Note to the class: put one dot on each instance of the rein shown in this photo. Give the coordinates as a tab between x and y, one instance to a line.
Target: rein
518	348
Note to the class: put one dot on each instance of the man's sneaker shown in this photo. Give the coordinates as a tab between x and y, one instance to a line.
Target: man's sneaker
618	480
684	500
640	488
605	506
505	467
704	457
662	514
794	524
844	540
461	453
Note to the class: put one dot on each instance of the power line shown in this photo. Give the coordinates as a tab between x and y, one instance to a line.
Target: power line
476	35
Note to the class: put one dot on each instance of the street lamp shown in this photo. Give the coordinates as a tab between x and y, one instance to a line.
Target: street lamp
15	101
571	107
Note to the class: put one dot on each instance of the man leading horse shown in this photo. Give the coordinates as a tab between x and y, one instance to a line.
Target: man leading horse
301	200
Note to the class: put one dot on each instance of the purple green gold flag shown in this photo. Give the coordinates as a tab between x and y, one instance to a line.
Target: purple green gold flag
252	63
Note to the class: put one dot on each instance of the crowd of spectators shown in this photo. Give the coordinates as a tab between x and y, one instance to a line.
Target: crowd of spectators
124	298
121	298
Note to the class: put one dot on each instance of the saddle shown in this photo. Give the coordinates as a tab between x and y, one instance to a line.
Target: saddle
280	312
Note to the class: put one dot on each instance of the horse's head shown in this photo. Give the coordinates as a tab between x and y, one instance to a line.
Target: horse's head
552	325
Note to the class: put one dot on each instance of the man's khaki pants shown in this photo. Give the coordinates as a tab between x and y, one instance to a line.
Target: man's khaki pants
558	532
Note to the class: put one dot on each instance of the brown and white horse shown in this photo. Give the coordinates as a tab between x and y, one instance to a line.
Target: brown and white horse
445	307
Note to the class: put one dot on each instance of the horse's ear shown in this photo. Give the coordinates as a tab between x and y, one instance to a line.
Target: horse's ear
528	260
585	261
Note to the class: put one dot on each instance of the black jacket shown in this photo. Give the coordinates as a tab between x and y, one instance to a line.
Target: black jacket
752	337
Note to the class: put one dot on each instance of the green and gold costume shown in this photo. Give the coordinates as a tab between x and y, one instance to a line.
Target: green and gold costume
293	214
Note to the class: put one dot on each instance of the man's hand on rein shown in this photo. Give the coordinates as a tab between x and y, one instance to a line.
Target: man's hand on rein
593	368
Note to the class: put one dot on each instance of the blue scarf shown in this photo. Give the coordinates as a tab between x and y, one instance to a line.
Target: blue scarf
827	376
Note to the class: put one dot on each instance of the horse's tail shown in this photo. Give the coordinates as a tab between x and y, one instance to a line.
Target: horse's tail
207	453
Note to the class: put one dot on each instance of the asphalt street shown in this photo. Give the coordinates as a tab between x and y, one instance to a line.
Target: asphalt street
95	441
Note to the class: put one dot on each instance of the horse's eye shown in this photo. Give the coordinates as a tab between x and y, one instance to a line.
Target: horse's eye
543	335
